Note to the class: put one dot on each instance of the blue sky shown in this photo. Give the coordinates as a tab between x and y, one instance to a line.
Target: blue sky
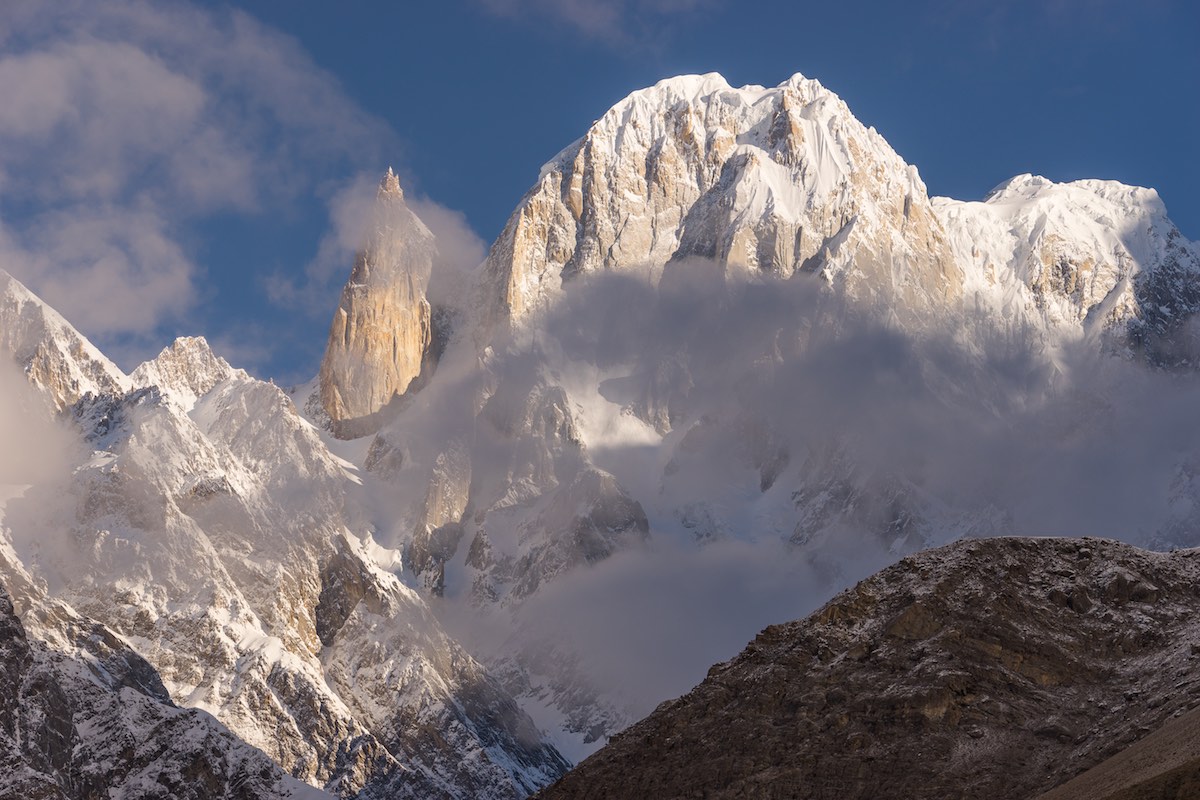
173	169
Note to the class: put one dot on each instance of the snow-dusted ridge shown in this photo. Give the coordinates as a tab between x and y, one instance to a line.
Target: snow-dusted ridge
93	719
1078	257
57	359
211	529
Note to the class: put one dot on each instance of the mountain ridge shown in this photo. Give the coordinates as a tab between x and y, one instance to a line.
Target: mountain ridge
680	209
207	526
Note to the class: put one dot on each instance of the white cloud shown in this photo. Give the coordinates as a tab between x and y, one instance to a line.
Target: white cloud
90	114
460	250
646	625
617	22
108	270
36	446
314	289
124	124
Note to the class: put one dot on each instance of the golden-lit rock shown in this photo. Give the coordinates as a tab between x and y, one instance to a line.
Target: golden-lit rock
382	328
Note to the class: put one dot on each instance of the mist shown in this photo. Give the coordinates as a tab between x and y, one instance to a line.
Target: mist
649	624
733	408
34	446
1067	438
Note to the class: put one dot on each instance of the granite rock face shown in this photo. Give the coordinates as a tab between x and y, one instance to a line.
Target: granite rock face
381	331
986	669
760	181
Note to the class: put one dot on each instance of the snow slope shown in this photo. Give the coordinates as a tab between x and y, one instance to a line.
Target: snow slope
212	529
1075	259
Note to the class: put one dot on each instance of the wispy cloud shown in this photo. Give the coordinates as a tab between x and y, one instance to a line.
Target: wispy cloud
313	288
614	22
123	124
36	446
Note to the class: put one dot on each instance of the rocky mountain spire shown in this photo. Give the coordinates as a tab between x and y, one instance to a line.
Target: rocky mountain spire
381	329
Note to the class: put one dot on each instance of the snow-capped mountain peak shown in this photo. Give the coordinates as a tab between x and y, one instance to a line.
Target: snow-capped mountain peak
186	370
762	181
1085	257
57	359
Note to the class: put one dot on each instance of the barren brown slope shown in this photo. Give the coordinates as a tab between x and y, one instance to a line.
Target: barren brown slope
987	669
1163	765
1181	783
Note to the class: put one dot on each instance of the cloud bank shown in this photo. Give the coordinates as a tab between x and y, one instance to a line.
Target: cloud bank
1070	438
37	448
877	440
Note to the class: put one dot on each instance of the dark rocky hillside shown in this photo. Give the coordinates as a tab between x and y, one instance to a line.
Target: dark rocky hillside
996	668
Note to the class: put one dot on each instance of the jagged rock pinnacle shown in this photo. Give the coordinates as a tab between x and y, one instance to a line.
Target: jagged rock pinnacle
382	328
390	185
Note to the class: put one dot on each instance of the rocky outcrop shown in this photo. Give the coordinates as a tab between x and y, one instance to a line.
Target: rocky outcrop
581	522
381	332
98	723
987	669
188	367
447	727
439	527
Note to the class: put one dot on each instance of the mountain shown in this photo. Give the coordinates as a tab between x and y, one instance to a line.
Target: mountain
988	669
774	181
212	529
726	357
736	314
58	361
1081	257
98	723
